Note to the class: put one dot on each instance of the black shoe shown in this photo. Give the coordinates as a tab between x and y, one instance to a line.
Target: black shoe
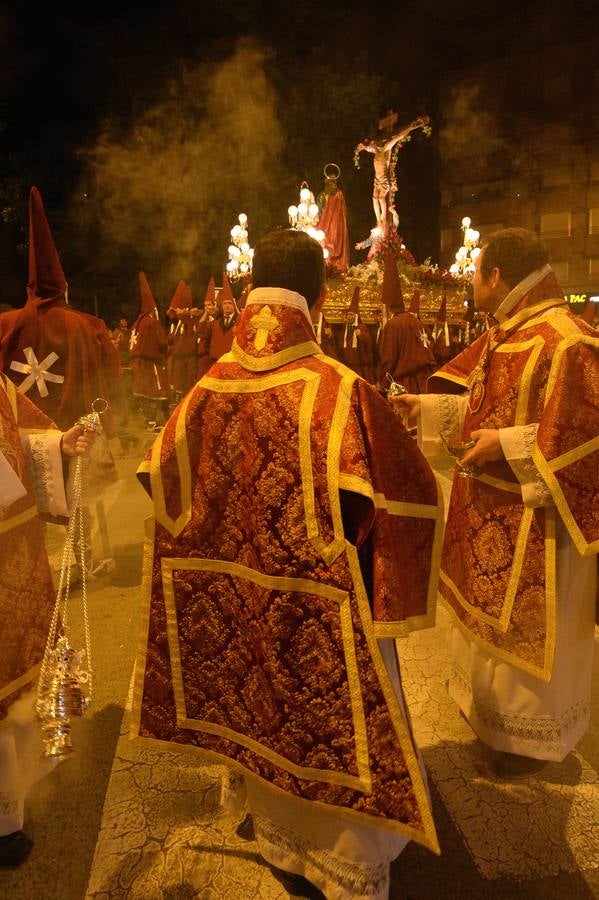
297	885
14	849
245	829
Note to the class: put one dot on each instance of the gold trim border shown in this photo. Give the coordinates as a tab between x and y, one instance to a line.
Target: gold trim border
584	547
356	485
572	456
502	623
399	720
273	360
341	812
20	519
362	782
544	672
330	552
11	392
535	344
174	526
139	667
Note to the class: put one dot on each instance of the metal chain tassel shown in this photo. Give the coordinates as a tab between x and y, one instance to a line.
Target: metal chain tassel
60	695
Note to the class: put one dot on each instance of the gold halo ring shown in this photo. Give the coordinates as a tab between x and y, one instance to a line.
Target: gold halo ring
326	173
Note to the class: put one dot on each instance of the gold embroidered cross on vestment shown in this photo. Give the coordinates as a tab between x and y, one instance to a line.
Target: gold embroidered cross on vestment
264	322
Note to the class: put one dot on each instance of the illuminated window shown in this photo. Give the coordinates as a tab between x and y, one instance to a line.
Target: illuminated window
594	220
556	224
594	266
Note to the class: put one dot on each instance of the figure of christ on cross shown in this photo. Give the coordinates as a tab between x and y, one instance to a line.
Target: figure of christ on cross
385	184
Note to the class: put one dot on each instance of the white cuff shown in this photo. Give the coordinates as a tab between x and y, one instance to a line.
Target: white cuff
517	444
440	414
44	460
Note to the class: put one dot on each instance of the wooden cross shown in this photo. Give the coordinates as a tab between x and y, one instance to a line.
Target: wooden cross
264	322
389	120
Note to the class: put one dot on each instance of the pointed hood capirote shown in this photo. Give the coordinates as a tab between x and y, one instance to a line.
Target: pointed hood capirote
392	295
46	282
354	306
226	293
68	352
182	298
415	303
148	304
210	291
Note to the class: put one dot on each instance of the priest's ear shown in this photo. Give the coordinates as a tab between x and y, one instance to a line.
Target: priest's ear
494	278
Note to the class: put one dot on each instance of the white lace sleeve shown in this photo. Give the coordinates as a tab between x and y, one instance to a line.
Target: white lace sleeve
44	460
440	414
517	444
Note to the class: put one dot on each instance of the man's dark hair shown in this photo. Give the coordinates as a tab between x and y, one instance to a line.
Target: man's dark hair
289	259
516	252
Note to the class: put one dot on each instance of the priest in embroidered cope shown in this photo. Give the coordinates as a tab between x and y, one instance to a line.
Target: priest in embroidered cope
31	482
295	527
517	570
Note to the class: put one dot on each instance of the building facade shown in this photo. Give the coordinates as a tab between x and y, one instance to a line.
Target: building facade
519	145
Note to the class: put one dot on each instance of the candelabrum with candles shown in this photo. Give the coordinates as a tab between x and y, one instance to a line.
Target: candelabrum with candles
240	252
465	258
305	216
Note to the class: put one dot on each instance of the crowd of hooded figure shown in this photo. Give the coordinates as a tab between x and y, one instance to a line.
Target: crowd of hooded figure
298	534
161	364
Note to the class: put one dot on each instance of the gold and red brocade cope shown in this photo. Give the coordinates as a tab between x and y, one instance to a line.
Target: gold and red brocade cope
27	600
252	652
498	565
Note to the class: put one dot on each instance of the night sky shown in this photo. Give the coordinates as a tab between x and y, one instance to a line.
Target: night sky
149	126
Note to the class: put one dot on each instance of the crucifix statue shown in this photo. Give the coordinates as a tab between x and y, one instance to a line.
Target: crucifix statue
385	158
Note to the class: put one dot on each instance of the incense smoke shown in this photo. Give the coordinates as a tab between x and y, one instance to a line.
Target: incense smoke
470	128
167	193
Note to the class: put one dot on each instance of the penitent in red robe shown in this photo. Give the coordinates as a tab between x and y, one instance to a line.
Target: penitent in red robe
61	358
405	352
147	352
219	338
261	617
182	356
85	358
357	351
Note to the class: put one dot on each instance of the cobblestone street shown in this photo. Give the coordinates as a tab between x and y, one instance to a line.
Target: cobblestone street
120	819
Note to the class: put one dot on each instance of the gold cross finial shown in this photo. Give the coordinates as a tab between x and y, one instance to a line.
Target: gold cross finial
264	322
